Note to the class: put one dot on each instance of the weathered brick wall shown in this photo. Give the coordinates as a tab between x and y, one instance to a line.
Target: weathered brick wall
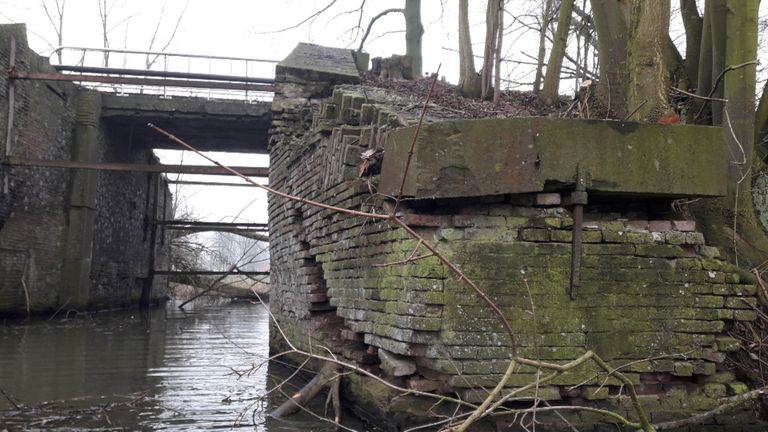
123	224
32	206
654	298
35	201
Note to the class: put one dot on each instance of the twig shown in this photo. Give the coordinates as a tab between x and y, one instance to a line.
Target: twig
373	20
726	405
628	116
413	141
266	188
717	83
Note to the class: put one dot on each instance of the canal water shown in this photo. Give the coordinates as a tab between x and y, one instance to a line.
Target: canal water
163	369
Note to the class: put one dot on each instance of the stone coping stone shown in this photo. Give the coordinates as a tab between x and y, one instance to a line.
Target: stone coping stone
468	158
312	62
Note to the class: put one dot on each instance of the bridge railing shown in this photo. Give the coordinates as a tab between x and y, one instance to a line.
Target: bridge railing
168	74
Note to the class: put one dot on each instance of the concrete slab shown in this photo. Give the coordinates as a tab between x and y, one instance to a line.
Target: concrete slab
523	155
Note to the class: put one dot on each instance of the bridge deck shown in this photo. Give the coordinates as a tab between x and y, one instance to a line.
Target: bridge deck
209	124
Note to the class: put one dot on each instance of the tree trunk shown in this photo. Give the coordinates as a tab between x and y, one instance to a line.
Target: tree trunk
718	31
648	73
413	32
632	36
469	80
761	125
549	94
732	222
491	27
704	83
693	24
612	23
497	55
542	46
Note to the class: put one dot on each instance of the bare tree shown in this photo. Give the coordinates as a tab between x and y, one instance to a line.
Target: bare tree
549	94
56	18
150	60
544	23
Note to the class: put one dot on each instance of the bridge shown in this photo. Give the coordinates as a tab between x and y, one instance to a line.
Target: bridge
85	210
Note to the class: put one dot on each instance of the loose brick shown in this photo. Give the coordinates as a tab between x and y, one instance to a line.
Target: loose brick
684	225
426	220
660	225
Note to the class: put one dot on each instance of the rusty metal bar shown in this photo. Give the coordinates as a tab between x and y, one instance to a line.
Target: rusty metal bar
159	53
162	74
159	168
6	153
211	273
157	82
179	223
200	183
579	200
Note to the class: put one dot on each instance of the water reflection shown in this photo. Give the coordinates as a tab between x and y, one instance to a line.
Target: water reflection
158	370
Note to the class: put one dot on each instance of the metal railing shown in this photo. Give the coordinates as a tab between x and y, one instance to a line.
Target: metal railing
168	74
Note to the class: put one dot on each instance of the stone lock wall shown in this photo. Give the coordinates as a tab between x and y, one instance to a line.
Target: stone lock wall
65	232
654	299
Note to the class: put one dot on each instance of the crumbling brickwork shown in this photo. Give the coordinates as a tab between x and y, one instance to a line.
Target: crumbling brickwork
654	299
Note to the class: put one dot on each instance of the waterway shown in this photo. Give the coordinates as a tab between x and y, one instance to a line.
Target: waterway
163	369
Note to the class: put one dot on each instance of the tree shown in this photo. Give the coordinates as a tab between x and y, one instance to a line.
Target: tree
545	17
632	37
413	32
56	18
549	94
469	80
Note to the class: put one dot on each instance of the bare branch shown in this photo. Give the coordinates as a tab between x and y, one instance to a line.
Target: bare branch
373	20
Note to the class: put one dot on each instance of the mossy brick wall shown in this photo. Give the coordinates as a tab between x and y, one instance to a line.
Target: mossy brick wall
654	299
33	211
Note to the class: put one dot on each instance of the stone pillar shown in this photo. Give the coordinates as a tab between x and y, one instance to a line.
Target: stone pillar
82	202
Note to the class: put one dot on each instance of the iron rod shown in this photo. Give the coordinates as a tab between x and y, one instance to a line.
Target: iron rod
161	168
211	273
158	82
163	74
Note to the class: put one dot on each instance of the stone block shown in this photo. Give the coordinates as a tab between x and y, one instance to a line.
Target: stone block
637	224
675	238
683	369
548	199
727	344
396	365
534	234
467	158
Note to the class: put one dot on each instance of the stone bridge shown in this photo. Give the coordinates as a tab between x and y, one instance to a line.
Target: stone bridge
85	212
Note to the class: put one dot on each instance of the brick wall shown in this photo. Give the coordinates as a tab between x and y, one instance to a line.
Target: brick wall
33	207
654	298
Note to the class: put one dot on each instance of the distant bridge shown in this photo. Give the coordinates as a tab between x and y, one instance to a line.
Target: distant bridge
215	103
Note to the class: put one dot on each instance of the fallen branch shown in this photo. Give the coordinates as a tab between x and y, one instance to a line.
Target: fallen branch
327	376
726	405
